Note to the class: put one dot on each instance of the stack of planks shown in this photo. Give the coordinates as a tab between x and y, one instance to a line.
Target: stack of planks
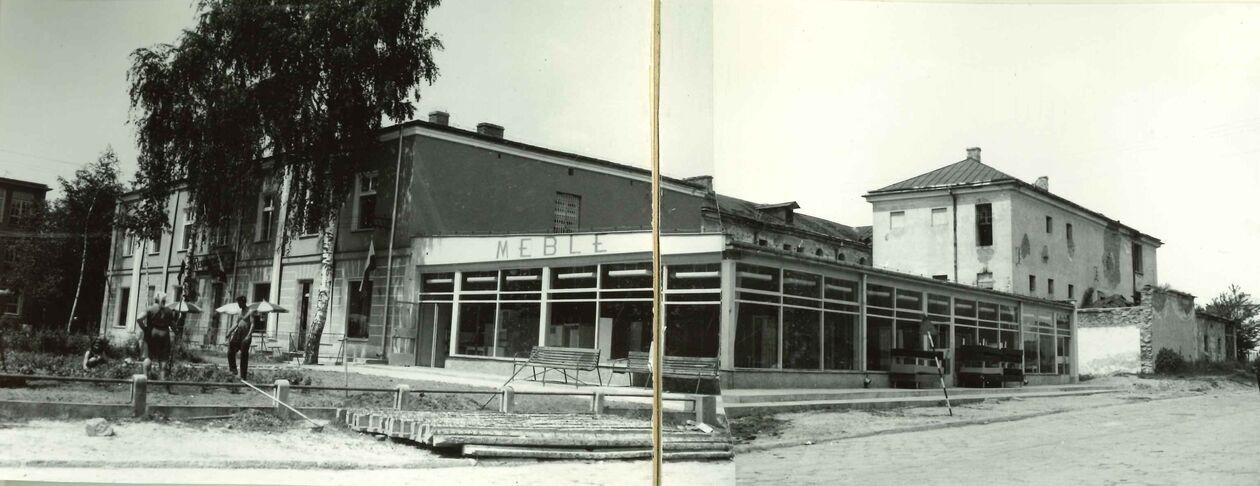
538	436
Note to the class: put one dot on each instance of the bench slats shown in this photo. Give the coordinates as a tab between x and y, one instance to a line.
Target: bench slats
637	362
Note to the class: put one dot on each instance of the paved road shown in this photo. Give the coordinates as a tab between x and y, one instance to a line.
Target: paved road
1209	439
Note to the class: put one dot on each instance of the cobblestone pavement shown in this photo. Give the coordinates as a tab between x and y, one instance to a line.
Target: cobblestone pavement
1196	440
541	473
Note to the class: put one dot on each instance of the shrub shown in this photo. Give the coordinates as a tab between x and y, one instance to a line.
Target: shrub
1169	361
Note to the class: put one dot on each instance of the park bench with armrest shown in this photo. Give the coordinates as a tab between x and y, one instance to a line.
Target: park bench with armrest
913	366
564	360
986	365
675	366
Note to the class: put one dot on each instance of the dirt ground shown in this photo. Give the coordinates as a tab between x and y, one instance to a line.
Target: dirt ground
759	431
188	395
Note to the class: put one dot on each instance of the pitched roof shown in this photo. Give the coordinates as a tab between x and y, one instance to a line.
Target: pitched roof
968	171
758	212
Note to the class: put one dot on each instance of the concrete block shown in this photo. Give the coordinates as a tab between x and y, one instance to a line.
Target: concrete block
99	427
508	403
402	397
282	396
139	395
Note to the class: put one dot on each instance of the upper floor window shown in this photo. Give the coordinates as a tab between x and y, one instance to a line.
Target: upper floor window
365	201
1050	287
567	210
939	217
155	245
129	243
188	230
21	210
1137	258
10	302
1032	283
896	220
266	217
1049	225
1067	229
1071	291
984	224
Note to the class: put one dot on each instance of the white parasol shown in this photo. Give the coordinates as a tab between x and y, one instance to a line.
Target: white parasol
263	307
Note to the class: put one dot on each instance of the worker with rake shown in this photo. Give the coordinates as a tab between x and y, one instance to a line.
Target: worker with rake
240	337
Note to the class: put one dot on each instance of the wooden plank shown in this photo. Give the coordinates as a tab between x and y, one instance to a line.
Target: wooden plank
552	453
585	441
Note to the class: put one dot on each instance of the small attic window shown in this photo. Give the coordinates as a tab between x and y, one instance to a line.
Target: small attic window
818	253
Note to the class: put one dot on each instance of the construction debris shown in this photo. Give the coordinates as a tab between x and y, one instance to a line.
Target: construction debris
99	427
538	436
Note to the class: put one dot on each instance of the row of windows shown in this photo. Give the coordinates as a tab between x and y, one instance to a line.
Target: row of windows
1032	287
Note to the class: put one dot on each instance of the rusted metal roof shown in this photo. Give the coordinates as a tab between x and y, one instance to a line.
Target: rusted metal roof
969	171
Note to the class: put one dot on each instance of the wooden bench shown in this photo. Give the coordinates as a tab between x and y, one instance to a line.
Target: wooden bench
913	366
561	359
675	366
986	365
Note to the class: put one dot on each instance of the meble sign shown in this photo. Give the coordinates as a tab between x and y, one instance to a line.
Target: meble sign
470	249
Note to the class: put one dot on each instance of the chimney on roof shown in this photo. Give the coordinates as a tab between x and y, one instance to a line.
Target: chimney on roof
1043	183
705	181
973	153
490	130
440	118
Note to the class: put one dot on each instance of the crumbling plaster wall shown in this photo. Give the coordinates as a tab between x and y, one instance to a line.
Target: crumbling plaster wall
1174	325
1116	340
790	242
921	248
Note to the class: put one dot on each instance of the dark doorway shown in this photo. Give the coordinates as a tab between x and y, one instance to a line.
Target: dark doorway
434	339
303	314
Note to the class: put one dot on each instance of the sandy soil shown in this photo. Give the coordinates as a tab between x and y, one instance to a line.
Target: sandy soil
807	427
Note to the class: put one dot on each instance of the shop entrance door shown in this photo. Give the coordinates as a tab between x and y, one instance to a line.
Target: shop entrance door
433	339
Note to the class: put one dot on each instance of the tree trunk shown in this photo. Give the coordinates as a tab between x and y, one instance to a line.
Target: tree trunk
323	295
82	265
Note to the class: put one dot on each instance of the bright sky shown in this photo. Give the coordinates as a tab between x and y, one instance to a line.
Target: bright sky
1147	113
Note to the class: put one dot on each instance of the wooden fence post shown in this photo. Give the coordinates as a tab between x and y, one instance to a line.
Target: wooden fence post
282	396
402	397
139	395
508	405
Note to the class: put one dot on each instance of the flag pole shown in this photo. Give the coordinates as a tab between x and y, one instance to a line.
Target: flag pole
654	88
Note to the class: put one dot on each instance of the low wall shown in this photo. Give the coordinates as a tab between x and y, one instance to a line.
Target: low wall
68	411
1114	340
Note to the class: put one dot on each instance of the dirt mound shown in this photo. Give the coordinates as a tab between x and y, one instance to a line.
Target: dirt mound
251	420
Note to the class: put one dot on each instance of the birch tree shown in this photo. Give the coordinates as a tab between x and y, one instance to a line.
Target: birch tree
305	85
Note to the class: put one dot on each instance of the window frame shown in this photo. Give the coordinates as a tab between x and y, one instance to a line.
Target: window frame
263	227
359	193
186	230
896	220
352	288
561	202
984	224
1049	225
1032	283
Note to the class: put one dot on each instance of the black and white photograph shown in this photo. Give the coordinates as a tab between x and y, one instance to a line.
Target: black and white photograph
585	242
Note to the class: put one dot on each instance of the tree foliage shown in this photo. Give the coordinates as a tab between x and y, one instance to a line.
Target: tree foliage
1238	306
70	233
305	83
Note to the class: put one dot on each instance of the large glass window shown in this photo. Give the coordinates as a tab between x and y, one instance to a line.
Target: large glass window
692	330
572	325
879	342
756	335
629	325
802	339
517	329
476	328
840	341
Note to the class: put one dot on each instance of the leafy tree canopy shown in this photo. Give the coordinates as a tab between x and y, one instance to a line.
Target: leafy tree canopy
304	84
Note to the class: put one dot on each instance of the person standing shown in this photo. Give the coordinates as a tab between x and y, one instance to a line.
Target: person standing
155	326
240	337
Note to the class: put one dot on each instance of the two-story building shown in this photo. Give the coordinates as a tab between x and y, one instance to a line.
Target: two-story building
483	247
970	223
18	200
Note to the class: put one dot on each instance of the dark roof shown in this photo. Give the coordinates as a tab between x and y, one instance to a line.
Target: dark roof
969	171
732	206
1216	317
783	205
27	184
972	172
865	232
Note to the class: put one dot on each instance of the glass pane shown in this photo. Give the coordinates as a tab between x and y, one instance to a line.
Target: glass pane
909	299
522	280
629	327
1046	345
988	311
573	277
690	277
572	325
692	330
965	308
801	339
757	278
480	281
938	304
879	296
626	276
437	282
839	341
756	336
476	329
838	289
802	284
518	329
879	343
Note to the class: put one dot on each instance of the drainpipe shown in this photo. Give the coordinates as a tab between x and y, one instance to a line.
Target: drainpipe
389	259
953	199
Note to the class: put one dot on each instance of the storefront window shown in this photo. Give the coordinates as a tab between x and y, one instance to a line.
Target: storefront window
840	341
476	328
572	325
879	342
756	336
692	330
518	329
627	326
802	338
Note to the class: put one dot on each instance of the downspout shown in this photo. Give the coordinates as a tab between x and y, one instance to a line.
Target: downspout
389	259
170	249
953	199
